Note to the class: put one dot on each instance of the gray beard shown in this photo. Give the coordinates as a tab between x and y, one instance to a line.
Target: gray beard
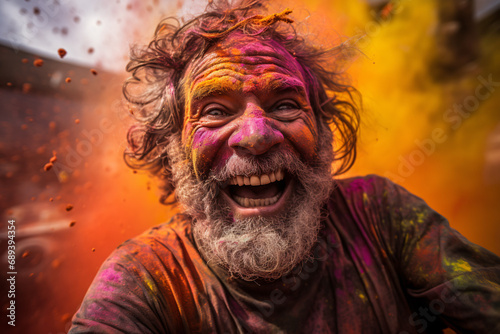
255	247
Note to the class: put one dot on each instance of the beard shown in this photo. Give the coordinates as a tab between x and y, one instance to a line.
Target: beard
260	247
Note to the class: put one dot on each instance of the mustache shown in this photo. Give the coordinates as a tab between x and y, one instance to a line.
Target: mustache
257	165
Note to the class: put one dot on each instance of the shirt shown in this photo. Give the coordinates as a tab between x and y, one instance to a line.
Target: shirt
384	262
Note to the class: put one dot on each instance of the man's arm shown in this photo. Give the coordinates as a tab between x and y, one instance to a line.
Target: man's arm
444	274
116	303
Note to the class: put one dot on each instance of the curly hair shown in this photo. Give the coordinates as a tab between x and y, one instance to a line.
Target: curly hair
157	100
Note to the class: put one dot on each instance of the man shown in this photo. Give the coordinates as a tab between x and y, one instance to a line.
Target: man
233	113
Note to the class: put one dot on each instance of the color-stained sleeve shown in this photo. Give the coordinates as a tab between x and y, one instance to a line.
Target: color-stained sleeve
116	302
444	275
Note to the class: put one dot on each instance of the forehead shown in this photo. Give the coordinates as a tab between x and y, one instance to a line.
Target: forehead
244	64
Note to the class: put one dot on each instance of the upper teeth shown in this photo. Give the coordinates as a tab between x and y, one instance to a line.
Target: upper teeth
257	180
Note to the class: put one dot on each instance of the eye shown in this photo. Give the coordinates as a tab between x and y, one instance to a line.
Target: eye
215	110
287	110
286	105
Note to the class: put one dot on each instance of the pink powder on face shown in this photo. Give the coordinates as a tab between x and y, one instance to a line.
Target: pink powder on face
246	96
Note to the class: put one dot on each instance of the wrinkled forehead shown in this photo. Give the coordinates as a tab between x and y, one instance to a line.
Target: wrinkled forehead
246	57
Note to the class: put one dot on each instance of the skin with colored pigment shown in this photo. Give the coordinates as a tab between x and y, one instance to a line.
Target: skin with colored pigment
246	98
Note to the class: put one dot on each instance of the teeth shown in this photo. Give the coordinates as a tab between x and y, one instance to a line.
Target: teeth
239	180
272	177
264	179
253	202
255	180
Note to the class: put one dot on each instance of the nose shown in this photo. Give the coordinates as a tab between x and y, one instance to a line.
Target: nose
255	134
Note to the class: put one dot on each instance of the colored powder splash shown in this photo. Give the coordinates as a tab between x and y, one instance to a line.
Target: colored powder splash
71	215
428	123
429	127
406	98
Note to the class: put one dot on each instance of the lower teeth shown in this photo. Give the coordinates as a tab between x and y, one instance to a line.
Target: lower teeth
253	202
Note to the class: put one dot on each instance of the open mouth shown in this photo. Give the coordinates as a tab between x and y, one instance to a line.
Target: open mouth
257	190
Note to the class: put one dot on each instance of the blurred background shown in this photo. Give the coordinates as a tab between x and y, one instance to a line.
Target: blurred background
429	73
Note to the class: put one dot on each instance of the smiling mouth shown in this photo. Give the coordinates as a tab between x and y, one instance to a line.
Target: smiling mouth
257	190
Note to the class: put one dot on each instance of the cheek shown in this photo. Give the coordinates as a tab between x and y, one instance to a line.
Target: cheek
303	136
206	150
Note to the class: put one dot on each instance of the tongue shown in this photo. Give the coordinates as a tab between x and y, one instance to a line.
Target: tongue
266	191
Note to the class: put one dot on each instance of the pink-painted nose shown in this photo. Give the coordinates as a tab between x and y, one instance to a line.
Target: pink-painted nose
255	135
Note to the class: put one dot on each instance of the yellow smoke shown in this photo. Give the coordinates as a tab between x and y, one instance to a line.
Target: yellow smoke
411	130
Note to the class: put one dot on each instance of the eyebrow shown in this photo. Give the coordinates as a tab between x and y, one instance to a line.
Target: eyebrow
226	85
215	86
282	83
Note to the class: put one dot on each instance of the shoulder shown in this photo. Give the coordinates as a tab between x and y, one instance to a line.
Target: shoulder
366	191
129	288
177	230
369	184
375	206
156	246
373	192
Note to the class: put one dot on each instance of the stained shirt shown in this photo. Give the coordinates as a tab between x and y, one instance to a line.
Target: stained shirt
384	262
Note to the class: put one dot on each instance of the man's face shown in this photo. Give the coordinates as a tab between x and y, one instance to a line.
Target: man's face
251	170
246	100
